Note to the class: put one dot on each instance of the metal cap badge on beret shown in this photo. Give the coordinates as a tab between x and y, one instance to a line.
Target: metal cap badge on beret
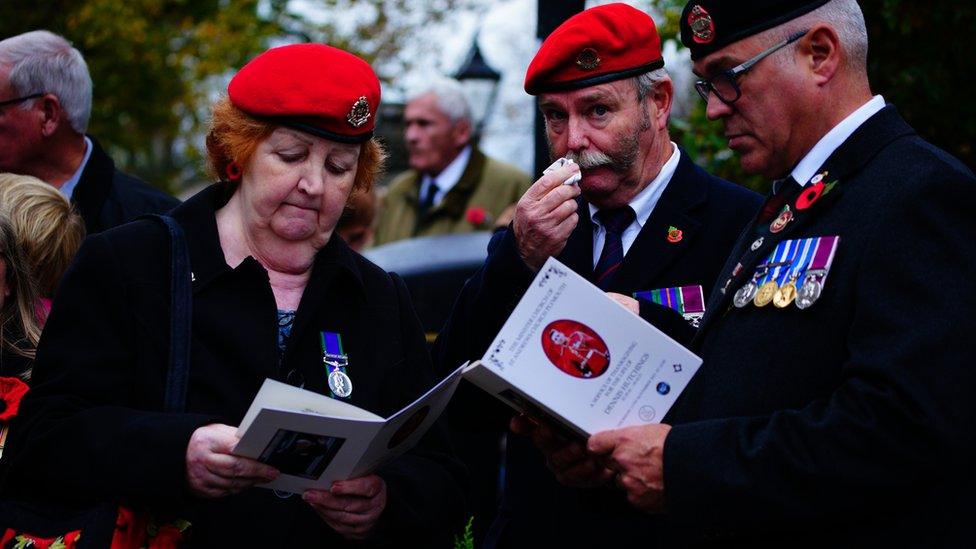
314	88
709	25
596	46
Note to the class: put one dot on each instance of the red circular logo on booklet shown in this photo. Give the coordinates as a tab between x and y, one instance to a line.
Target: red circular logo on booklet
575	348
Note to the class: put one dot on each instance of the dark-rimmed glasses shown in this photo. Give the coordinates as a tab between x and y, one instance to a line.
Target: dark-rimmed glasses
725	85
20	99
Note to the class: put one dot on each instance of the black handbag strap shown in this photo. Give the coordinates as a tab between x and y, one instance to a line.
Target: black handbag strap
181	309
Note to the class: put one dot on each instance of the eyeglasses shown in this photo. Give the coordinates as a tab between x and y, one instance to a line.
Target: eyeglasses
725	85
20	99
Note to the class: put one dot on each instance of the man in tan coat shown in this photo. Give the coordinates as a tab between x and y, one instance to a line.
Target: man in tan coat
452	187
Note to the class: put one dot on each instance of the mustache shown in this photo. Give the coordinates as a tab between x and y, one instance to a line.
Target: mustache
590	159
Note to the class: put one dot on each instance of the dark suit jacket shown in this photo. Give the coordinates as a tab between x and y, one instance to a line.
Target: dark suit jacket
536	511
850	422
106	197
92	426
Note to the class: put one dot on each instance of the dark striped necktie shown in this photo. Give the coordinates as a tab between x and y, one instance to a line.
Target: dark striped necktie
614	223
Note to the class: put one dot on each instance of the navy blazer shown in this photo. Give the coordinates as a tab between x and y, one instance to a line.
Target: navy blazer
851	421
537	511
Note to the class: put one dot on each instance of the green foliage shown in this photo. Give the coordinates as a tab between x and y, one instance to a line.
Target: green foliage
466	539
157	64
920	58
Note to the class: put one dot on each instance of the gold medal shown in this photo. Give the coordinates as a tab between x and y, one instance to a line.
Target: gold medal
785	295
765	294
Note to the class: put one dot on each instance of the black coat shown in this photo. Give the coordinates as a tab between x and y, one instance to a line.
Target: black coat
536	511
106	197
92	425
850	422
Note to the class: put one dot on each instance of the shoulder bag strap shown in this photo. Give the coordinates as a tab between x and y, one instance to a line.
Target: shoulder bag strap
181	308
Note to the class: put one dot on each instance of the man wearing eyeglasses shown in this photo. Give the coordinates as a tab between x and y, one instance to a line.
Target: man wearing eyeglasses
45	103
835	406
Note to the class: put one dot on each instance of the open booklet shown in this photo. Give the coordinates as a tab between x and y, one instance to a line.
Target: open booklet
314	440
571	353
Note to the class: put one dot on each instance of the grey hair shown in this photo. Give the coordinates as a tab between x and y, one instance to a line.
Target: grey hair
449	96
645	82
846	17
43	62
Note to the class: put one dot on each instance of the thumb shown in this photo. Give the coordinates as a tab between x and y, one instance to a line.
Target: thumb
602	443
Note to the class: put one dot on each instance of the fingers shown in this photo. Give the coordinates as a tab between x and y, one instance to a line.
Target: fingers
626	302
603	443
229	466
353	507
552	180
212	471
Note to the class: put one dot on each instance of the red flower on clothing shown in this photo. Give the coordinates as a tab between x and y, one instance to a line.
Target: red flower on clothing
12	390
476	216
810	195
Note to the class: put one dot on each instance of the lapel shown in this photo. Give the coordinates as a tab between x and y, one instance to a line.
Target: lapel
94	187
849	158
578	253
456	200
652	252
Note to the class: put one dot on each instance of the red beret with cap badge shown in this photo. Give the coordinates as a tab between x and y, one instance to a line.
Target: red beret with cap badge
314	88
599	45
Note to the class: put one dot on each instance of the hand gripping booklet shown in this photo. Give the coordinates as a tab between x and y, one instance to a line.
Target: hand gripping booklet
314	440
570	352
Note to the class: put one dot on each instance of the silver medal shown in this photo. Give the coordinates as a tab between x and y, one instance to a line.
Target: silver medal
340	384
745	294
809	291
755	245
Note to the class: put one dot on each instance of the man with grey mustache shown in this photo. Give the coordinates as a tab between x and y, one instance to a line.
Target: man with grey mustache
642	217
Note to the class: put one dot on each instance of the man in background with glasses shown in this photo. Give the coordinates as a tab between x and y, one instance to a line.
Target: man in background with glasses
835	405
45	103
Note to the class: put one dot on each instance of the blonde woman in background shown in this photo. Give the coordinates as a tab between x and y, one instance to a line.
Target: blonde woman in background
19	329
47	227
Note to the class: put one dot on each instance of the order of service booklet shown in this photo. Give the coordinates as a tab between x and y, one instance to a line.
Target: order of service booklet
570	352
313	439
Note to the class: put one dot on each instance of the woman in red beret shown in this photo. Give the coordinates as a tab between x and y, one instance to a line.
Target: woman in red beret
275	295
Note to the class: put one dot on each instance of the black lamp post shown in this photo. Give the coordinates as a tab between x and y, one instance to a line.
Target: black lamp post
480	82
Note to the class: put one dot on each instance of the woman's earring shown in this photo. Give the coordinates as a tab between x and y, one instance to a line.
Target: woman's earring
233	171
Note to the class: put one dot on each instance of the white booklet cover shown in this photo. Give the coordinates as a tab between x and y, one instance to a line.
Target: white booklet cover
570	352
314	439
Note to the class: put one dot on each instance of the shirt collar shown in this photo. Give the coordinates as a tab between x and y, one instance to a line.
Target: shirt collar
68	187
643	204
450	175
820	152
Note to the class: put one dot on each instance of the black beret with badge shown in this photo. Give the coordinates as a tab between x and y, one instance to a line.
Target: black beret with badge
709	25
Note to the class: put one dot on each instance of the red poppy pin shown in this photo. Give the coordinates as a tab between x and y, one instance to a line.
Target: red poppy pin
674	234
12	390
816	189
477	216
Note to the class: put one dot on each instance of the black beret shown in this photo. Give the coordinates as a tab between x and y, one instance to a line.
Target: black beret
709	25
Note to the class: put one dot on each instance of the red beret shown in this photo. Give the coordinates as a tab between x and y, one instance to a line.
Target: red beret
314	88
599	45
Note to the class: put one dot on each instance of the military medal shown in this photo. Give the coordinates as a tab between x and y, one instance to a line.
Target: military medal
689	301
744	295
782	256
765	294
809	291
800	257
782	221
785	294
340	384
816	274
336	362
